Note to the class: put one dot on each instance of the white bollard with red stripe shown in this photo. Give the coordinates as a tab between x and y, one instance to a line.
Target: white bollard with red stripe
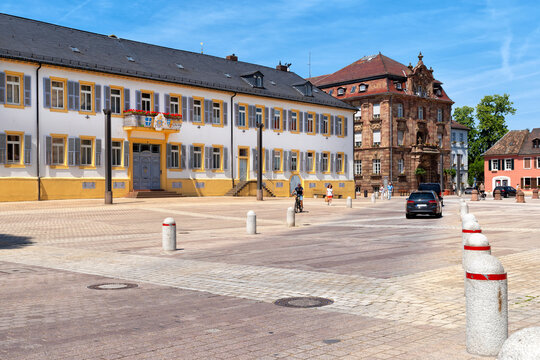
523	345
477	244
168	235
486	291
468	228
464	208
468	217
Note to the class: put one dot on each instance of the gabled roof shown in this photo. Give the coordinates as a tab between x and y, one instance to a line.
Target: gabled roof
509	144
527	147
366	67
456	125
30	40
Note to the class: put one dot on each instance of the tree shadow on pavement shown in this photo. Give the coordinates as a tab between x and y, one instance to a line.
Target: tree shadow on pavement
8	241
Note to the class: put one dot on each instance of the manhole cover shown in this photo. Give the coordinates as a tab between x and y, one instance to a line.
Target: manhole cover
112	286
303	302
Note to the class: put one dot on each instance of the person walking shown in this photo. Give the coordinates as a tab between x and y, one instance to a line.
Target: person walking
381	192
390	190
329	194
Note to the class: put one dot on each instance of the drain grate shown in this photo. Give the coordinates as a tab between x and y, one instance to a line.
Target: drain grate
303	302
112	286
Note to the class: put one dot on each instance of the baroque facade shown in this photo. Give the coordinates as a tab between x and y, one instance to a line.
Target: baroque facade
182	122
402	125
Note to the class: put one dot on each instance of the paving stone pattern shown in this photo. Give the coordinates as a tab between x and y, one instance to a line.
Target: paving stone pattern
397	284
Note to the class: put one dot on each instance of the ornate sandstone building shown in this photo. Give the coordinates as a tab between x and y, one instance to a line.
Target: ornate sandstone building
402	126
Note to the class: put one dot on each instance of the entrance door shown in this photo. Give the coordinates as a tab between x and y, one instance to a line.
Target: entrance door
295	180
146	167
243	164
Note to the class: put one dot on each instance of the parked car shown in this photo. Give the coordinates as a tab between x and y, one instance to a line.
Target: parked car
423	202
506	191
436	187
468	190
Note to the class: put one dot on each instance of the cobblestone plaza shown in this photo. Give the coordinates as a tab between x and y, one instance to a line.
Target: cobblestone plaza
396	284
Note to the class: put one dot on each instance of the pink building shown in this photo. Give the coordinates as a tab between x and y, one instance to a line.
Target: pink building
514	160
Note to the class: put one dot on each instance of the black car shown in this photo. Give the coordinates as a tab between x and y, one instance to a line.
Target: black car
506	191
468	190
436	187
423	202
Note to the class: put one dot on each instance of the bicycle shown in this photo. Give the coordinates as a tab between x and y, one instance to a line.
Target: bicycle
298	205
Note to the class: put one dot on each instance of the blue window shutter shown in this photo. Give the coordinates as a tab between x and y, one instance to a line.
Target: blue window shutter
251	116
272	119
319	124
225	159
266	118
77	151
127	102
190	108
2	148
301	161
191	157
47	92
138	100
285	161
98	98
167	99
289	116
272	160
169	156
512	164
183	157
156	102
225	114
345	121
306	122
27	90
301	121
48	150
207	111
317	159
184	108
98	152
71	95
254	156
71	151
267	160
207	157
236	115
345	164
126	154
76	100
332	125
2	88
332	162
27	149
107	97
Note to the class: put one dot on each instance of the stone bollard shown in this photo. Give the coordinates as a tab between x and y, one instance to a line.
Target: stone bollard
474	196
373	198
477	244
486	292
168	234
469	227
464	208
290	217
251	223
468	217
522	345
520	196
497	195
535	194
349	202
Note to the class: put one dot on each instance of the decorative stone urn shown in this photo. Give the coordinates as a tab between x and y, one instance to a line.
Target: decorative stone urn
535	194
474	196
497	195
520	196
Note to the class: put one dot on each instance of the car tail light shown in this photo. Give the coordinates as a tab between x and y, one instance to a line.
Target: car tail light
432	201
410	202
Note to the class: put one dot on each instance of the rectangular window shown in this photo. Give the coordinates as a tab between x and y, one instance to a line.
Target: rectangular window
538	164
58	151
339	125
376	166
86	152
358	139
13	149
400	135
453	136
527	182
216	113
339	162
116	153
276	163
259	115
324	161
57	94
242	116
376	111
376	137
174	105
507	164
175	156
357	167
277	119
146	101
116	101
310	128
294	121
13	90
294	161
325	126
494	165
439	115
399	110
197	110
310	162
527	163
197	157
216	158
358	114
439	140
461	137
420	113
401	166
86	97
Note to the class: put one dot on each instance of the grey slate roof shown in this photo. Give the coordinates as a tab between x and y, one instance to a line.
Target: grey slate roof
527	147
509	144
31	40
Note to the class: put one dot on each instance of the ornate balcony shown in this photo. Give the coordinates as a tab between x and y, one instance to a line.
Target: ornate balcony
150	120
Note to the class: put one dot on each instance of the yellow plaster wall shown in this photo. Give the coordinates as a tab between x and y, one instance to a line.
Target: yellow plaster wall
72	188
18	189
212	187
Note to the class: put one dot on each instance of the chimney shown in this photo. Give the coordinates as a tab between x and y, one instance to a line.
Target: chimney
232	57
282	67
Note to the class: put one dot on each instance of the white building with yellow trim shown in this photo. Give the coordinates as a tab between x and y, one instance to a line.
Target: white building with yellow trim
56	81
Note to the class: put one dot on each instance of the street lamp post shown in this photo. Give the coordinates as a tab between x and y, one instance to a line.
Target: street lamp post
259	162
108	158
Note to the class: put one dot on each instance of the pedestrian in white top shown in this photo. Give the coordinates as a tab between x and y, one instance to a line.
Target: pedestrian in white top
329	194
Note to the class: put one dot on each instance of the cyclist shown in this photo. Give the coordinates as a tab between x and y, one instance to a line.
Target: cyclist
299	192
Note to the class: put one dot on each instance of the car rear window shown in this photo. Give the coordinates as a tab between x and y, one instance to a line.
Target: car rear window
434	187
421	196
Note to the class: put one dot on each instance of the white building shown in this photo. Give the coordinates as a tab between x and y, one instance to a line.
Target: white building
55	82
460	154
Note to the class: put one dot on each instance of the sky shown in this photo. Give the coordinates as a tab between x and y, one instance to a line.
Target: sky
475	48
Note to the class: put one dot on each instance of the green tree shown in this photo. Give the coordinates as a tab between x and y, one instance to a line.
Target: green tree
491	112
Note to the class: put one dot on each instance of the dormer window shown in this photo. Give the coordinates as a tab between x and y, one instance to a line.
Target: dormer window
399	86
536	143
306	89
254	79
362	88
341	91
